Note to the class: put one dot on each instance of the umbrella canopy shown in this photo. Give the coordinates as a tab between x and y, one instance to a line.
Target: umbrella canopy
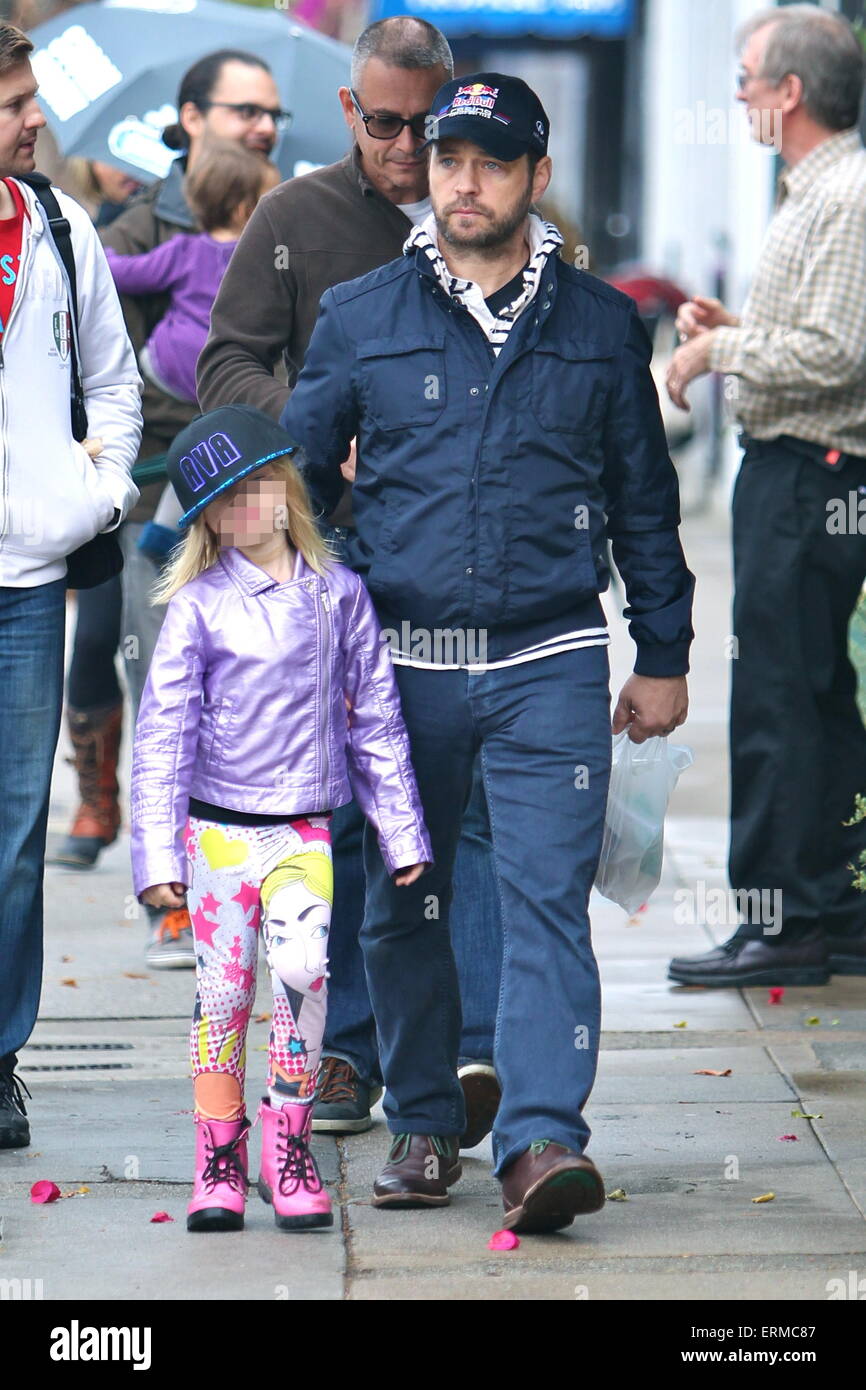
109	73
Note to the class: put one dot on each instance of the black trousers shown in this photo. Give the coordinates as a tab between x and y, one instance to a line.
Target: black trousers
798	745
92	681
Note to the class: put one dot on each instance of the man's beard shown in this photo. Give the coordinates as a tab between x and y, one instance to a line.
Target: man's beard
493	233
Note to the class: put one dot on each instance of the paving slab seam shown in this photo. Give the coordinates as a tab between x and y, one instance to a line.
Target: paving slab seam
349	1262
817	1131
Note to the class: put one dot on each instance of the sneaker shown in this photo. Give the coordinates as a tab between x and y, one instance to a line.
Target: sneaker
344	1101
14	1129
482	1094
172	943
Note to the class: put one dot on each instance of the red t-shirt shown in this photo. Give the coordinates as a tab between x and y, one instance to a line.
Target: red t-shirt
11	235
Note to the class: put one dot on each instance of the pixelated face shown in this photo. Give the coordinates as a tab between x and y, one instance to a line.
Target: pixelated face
295	932
251	511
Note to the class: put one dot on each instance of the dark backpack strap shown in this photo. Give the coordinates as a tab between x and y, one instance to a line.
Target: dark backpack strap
61	234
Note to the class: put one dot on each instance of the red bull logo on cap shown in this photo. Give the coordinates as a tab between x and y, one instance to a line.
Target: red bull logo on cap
474	99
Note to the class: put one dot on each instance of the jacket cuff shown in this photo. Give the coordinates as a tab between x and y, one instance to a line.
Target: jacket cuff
156	870
662	659
403	853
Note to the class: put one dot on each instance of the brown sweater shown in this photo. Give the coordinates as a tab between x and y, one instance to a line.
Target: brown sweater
308	234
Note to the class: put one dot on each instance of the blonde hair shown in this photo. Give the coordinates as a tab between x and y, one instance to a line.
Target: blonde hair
311	867
201	547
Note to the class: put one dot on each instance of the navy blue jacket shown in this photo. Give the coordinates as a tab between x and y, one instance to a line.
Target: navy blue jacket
485	486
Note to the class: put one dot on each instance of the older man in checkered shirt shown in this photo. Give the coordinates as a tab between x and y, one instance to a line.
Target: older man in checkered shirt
798	356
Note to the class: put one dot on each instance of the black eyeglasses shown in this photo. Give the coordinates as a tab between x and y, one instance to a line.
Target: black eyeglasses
248	111
389	127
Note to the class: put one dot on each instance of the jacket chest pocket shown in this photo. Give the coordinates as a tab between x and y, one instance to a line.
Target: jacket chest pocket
571	384
403	379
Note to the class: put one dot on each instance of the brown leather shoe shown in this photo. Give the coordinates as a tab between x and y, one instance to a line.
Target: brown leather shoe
548	1186
418	1172
482	1094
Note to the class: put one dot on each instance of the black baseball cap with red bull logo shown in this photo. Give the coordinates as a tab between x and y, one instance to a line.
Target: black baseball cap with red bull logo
501	114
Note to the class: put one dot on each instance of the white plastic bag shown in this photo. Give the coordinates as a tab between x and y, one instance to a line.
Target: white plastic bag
642	778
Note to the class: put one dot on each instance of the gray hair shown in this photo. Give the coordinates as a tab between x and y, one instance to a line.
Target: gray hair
402	41
823	50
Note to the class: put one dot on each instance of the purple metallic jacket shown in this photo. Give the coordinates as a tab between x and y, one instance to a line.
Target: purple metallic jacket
244	707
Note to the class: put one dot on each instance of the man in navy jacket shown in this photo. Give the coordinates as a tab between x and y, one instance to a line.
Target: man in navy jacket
506	425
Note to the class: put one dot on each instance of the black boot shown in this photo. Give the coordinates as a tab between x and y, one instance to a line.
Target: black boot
14	1129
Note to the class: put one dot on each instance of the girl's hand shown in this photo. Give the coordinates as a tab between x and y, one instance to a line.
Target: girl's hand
92	446
406	876
165	895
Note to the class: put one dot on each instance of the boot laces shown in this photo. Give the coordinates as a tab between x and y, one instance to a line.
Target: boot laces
297	1165
224	1165
11	1088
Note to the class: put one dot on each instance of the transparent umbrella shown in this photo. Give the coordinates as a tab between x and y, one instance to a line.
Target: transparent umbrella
109	73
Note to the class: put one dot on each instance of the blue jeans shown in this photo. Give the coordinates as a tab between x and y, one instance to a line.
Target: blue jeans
543	729
32	629
350	1031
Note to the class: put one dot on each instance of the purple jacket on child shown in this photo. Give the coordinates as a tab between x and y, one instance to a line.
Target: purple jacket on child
245	707
190	268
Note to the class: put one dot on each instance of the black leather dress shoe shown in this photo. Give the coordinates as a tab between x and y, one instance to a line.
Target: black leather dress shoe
847	954
742	963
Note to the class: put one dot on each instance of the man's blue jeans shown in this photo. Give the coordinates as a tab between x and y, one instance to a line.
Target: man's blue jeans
32	626
543	729
350	1031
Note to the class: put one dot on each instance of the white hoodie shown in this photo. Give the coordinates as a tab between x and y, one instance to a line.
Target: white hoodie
53	497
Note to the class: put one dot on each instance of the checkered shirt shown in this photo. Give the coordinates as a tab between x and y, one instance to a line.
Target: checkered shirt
799	354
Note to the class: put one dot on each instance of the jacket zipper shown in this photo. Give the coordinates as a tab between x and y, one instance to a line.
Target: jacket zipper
326	693
23	266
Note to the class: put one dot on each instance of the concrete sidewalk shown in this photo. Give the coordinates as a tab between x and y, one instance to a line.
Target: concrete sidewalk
111	1107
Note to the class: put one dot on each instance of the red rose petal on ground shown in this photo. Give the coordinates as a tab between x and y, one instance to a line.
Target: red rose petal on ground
159	1216
503	1240
789	1137
776	993
44	1191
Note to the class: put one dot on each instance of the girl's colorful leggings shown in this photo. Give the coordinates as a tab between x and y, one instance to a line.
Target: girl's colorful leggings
279	877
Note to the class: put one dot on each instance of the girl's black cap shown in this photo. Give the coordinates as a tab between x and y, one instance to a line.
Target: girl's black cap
219	448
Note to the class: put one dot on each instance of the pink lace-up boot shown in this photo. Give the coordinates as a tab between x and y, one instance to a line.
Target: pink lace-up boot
289	1179
220	1187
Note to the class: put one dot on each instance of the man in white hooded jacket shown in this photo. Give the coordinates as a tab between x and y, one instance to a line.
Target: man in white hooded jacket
53	498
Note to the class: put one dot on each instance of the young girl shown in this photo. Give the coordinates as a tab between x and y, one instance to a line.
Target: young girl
270	700
222	189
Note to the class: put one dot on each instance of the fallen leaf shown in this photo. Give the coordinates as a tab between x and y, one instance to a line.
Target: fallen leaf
767	1197
503	1240
789	1138
618	1195
776	994
160	1216
135	975
707	1071
42	1192
681	1025
67	959
802	1115
834	1022
262	1018
813	1021
73	984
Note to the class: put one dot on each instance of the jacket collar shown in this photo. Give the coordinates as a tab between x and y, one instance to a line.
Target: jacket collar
354	171
253	580
170	203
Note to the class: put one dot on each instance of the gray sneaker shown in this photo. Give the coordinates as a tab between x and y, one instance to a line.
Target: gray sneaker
171	944
343	1101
